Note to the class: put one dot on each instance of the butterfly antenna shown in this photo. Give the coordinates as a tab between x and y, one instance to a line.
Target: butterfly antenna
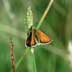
12	55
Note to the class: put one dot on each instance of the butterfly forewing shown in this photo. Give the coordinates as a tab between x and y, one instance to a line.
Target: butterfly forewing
42	37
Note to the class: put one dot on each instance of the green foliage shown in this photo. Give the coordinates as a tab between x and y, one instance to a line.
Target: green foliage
57	25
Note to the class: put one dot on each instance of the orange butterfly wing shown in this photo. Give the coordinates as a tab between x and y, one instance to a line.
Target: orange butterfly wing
43	38
31	39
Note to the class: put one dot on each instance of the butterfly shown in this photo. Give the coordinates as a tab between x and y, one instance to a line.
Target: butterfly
36	37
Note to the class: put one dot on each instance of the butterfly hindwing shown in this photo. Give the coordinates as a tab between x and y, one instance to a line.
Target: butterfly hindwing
31	41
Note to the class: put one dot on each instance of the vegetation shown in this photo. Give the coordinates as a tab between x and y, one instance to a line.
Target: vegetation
57	24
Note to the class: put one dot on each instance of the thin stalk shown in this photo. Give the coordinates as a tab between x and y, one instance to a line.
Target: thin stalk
12	56
45	13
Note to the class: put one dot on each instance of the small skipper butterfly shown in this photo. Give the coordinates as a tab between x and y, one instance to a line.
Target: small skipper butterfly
36	36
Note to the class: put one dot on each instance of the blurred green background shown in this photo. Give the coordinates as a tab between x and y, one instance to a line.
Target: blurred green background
57	25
